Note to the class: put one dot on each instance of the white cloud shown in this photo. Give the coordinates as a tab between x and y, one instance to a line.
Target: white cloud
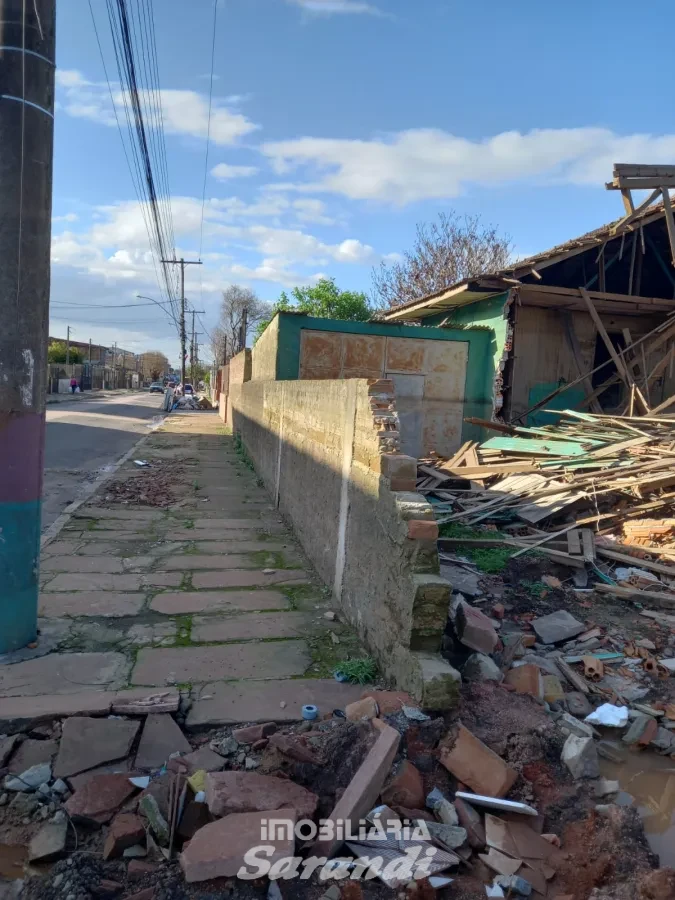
183	112
329	7
275	270
309	209
69	217
302	247
223	171
115	247
432	164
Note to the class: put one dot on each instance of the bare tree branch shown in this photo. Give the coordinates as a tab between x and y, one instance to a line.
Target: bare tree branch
236	301
445	252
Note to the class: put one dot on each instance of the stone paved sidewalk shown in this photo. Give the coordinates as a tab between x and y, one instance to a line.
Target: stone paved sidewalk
212	596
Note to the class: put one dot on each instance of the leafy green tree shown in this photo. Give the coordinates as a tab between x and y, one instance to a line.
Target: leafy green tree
324	300
57	353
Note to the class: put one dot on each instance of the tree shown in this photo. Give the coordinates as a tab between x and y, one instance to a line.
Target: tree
57	352
240	305
445	252
220	349
154	365
324	300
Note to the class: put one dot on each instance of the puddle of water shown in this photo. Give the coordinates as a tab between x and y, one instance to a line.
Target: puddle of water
648	783
12	858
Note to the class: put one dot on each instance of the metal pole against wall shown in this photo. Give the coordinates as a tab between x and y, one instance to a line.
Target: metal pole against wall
27	35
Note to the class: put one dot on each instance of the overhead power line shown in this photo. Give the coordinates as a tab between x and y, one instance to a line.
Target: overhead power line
132	30
208	139
64	303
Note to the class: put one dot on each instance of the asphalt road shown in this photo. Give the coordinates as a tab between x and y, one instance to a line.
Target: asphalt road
84	437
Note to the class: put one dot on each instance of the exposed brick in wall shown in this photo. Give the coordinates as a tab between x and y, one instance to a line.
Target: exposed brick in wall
328	450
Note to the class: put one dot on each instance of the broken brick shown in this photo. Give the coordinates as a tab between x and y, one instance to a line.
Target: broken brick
139	868
293	747
471	762
235	792
99	799
146	894
422	530
526	679
406	788
366	708
475	630
126	829
218	849
389	702
252	733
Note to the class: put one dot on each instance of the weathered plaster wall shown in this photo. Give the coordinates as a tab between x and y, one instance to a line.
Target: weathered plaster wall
265	352
429	378
239	372
223	389
327	453
348	350
492	316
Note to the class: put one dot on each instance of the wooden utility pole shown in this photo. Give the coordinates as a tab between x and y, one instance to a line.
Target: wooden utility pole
182	263
27	37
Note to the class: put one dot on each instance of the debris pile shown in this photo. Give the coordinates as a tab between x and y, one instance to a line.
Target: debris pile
391	797
586	493
156	484
190	401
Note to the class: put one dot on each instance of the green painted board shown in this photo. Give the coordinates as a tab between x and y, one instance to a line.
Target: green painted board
555	406
525	445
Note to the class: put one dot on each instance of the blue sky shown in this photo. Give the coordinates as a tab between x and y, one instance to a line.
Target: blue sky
337	126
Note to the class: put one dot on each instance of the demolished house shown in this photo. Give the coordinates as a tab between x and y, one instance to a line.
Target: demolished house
574	316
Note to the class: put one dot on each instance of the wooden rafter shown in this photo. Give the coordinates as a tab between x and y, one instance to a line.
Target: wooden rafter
658	179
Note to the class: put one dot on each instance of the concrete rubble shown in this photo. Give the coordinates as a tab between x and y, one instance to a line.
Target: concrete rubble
199	810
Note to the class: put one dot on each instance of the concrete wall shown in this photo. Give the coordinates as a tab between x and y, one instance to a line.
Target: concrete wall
239	372
264	353
429	378
222	391
328	453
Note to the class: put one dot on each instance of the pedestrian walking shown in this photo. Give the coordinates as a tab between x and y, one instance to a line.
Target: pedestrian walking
73	384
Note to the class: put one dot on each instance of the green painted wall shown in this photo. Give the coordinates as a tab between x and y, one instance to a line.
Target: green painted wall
482	313
479	376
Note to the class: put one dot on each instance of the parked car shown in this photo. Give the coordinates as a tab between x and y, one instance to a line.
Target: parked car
188	389
156	387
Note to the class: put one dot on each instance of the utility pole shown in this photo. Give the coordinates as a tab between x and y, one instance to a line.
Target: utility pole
182	263
192	351
68	345
243	330
27	129
89	351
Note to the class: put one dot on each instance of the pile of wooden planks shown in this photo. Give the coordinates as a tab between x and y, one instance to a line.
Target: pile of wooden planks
577	491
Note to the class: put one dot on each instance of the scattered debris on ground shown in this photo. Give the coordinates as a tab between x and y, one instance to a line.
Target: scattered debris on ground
586	493
498	798
516	792
156	484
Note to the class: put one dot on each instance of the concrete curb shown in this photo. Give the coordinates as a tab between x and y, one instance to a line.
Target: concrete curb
65	516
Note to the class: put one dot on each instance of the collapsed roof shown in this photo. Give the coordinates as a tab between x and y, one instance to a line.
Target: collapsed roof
627	259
